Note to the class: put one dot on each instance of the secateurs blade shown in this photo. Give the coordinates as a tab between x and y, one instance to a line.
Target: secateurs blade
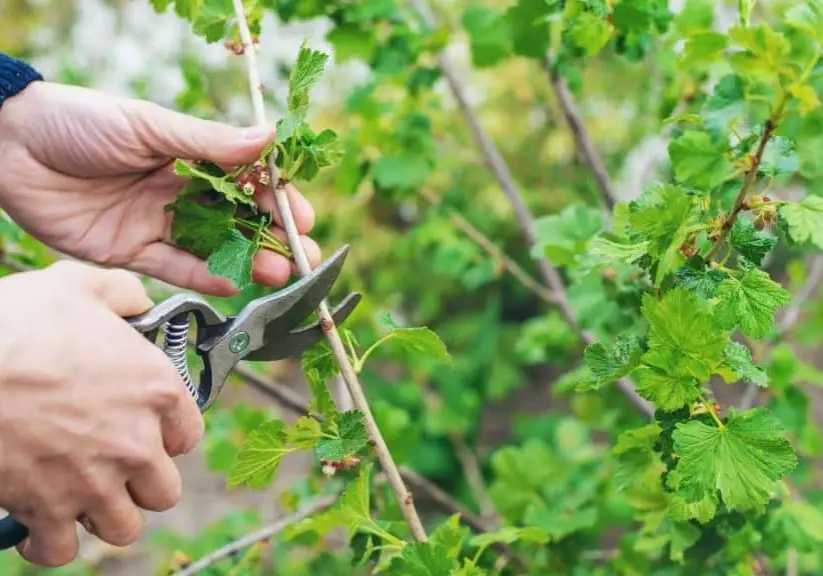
269	328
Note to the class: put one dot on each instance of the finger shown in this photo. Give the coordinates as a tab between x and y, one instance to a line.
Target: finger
301	208
310	247
180	268
120	290
116	520
182	425
50	544
173	134
159	486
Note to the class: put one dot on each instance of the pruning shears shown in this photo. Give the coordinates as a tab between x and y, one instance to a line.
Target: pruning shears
267	329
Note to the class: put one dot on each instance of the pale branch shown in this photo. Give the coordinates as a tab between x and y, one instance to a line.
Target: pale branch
526	220
338	348
790	317
264	533
748	180
584	142
471	466
496	253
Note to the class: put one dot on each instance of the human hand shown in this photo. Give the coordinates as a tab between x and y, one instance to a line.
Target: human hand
90	411
89	174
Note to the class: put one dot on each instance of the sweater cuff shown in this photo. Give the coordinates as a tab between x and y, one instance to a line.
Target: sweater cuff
15	76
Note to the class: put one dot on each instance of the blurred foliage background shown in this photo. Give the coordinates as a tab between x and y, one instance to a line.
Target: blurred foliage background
500	403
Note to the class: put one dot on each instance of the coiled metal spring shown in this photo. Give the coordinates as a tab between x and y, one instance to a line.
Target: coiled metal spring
175	344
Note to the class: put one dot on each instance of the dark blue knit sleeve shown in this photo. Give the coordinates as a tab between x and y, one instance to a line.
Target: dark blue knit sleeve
15	75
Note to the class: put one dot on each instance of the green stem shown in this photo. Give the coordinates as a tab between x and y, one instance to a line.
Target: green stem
710	410
362	360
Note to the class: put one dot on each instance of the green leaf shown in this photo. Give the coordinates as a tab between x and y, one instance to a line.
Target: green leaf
347	436
563	236
402	171
421	559
697	277
779	158
667	391
698	161
528	22
450	534
661	216
808	16
804	220
197	228
726	106
740	362
510	535
743	460
763	51
304	75
489	39
750	243
704	48
750	302
683	339
637	463
612	362
417	340
589	33
233	259
212	19
220	182
260	456
322	402
607	251
320	359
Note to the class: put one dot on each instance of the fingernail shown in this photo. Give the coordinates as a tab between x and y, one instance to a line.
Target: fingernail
257	132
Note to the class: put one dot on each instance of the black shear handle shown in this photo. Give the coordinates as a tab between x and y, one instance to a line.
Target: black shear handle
11	533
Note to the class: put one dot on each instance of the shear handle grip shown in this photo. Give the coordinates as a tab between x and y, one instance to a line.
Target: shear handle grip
178	304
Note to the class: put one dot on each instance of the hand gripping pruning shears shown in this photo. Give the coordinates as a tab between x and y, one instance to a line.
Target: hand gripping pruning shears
266	329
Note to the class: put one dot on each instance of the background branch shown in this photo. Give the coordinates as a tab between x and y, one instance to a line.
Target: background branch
525	219
264	533
585	146
338	349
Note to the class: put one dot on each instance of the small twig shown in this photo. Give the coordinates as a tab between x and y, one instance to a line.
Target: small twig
581	135
739	202
496	253
264	533
526	220
471	466
790	318
338	349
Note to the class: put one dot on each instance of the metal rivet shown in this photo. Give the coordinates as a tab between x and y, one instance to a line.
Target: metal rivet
239	342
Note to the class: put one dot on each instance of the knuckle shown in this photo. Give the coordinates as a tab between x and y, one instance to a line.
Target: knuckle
135	456
166	392
124	530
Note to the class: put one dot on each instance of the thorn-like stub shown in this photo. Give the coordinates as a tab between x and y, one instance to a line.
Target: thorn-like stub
326	325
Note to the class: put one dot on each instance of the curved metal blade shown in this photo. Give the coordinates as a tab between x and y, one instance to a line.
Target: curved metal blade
279	346
271	318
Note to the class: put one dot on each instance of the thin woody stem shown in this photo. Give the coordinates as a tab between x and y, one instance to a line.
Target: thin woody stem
338	348
748	180
581	136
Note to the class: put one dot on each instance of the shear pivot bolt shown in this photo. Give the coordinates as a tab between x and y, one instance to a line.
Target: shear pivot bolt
239	342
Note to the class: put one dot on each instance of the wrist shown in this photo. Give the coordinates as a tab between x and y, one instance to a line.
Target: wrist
15	76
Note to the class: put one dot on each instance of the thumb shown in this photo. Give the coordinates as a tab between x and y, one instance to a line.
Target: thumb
174	134
119	290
